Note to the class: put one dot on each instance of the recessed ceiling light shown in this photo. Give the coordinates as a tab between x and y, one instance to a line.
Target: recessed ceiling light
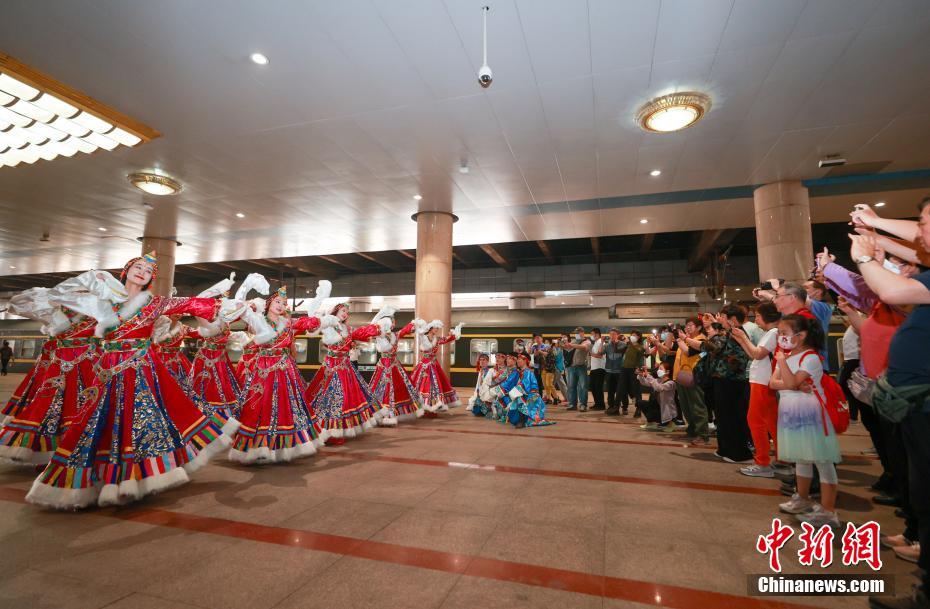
417	197
259	59
154	184
12	267
240	215
880	204
102	229
644	221
655	172
737	289
673	112
642	292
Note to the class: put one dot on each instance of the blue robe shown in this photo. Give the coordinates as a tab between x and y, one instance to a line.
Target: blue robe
479	407
529	408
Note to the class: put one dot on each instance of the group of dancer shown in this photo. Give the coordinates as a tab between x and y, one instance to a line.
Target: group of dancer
507	391
113	410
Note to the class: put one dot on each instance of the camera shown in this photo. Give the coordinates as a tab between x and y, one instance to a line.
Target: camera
485	76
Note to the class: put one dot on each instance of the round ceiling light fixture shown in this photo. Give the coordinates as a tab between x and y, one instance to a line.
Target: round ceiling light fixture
259	59
154	184
673	112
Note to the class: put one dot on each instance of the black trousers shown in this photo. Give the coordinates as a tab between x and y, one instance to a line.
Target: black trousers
898	459
915	431
731	402
4	364
613	390
629	387
597	387
855	406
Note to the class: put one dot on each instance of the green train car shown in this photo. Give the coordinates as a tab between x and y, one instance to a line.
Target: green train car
486	330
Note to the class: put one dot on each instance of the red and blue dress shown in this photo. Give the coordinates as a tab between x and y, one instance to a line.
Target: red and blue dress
276	422
436	392
338	395
48	407
27	388
212	378
171	352
391	385
137	431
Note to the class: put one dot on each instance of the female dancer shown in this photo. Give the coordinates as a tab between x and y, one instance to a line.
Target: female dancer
168	342
338	394
435	389
137	431
57	323
390	384
212	380
277	424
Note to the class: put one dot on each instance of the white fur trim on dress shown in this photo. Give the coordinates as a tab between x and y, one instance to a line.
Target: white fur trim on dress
23	455
266	455
62	498
133	490
223	441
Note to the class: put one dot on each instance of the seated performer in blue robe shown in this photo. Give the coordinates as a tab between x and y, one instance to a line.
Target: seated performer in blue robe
501	374
481	407
527	408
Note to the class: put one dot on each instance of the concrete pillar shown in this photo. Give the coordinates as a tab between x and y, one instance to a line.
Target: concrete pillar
164	252
434	271
783	231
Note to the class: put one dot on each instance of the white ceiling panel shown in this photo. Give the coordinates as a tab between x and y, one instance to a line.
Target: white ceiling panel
689	29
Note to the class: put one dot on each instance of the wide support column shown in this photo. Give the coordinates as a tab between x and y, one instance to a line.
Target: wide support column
164	252
434	271
783	231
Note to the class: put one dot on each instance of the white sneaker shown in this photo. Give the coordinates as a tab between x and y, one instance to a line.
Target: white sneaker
757	471
895	541
711	427
797	505
819	516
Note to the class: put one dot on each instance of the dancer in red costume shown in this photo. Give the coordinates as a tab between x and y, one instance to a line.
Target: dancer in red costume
338	395
137	431
390	384
27	388
45	411
168	342
277	424
436	391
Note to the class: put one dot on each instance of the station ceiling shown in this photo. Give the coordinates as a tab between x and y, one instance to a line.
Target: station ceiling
366	103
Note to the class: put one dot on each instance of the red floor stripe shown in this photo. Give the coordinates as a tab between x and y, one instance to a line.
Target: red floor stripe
507	469
663	595
530	434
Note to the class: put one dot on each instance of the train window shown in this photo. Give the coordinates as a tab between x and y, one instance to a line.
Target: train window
477	346
405	352
28	348
300	346
367	355
452	353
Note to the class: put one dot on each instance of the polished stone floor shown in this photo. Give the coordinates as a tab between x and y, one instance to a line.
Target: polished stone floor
452	512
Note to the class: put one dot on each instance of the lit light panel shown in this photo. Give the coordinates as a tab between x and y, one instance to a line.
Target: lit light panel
43	119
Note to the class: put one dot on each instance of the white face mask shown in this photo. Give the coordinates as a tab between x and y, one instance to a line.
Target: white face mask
891	266
663	337
660	372
634	339
579	336
786	343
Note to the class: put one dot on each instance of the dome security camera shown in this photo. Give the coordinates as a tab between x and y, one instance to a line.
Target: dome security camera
485	76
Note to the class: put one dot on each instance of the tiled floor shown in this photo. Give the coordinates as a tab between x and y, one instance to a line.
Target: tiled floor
454	512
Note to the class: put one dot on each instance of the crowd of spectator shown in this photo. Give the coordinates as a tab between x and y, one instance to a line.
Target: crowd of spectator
758	378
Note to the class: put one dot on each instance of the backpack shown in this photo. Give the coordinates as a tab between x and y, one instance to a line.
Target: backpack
833	401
